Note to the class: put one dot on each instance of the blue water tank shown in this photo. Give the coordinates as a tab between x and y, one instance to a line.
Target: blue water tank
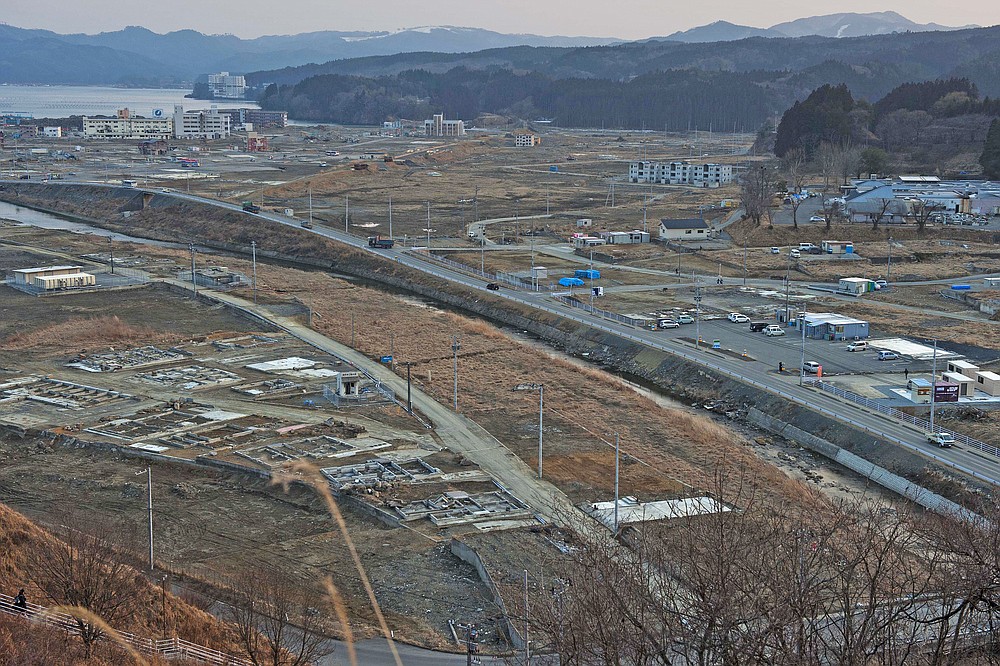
961	287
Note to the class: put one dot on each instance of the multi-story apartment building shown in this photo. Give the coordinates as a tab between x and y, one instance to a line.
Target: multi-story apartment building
209	124
125	126
438	126
680	173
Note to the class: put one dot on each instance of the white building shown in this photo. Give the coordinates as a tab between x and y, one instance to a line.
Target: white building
625	237
52	132
438	126
125	126
687	229
680	173
200	124
226	86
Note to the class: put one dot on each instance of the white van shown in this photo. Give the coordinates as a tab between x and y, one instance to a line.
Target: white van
857	345
773	330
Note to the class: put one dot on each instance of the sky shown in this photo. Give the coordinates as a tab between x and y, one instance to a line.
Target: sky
627	19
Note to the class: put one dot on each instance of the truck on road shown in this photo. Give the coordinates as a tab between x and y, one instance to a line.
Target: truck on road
380	243
251	207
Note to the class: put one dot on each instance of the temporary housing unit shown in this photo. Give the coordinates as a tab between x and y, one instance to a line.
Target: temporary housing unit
961	367
966	385
856	285
837	247
988	382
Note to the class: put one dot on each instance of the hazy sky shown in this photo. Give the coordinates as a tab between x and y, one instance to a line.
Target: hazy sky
629	19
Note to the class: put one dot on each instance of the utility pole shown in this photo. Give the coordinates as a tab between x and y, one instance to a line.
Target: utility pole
390	217
888	263
645	205
428	224
745	241
409	402
617	448
347	211
482	251
802	360
310	205
476	200
590	276
194	282
541	413
455	346
253	254
527	644
111	249
149	504
933	383
352	330
697	313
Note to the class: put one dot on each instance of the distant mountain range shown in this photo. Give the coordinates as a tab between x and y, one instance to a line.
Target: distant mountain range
832	25
137	56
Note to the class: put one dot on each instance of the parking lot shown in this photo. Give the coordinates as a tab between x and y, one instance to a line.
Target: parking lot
787	349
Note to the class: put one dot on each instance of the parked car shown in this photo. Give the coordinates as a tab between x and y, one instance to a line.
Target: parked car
886	355
943	439
857	345
684	319
794	254
817	218
881	284
773	330
667	323
757	326
738	318
493	286
811	367
775	250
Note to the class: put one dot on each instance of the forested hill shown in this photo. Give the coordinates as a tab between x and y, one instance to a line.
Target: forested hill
974	53
655	85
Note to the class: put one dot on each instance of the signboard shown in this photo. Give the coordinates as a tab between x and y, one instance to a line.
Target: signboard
157	113
385	359
945	392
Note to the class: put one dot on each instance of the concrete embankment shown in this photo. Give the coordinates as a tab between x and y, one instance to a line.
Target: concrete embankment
165	218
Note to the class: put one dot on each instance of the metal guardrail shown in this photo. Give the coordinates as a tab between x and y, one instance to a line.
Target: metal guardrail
586	307
892	412
503	278
167	648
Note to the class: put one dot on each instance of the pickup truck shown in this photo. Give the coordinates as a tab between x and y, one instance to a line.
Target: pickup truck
943	439
251	207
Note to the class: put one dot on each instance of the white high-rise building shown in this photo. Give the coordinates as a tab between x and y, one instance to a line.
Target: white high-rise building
227	86
200	124
125	126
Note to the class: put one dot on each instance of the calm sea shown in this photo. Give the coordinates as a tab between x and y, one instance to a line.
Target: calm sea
62	101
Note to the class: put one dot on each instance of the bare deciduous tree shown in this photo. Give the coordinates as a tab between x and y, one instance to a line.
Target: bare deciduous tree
756	192
92	571
276	618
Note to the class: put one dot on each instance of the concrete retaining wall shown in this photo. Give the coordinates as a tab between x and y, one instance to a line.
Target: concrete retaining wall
869	470
466	553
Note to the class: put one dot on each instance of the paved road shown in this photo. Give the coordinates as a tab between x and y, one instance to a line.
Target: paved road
494	455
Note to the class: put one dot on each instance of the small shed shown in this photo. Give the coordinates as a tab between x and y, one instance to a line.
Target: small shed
584	222
966	385
587	241
920	390
627	237
988	382
539	272
856	285
832	326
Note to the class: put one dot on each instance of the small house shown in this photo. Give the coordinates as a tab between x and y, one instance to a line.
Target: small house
966	385
958	366
683	230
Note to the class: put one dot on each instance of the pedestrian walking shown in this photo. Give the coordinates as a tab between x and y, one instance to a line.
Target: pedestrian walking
906	374
21	602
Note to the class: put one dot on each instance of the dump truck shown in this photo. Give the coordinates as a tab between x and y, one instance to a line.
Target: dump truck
251	207
380	243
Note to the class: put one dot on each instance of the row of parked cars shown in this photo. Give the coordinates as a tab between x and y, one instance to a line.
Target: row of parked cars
768	329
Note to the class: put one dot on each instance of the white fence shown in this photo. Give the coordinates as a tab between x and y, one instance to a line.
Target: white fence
167	648
903	416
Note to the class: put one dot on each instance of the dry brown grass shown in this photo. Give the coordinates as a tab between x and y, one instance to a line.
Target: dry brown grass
75	334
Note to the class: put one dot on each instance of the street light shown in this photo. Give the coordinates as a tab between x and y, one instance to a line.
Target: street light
888	263
802	361
541	411
149	487
455	346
